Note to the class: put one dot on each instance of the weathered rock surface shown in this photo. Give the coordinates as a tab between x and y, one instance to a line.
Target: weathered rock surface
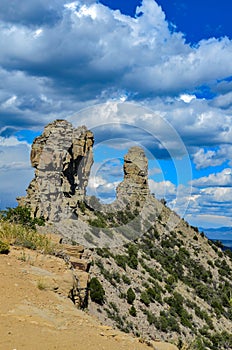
62	158
135	183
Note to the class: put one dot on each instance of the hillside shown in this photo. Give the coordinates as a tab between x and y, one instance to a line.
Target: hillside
151	273
36	313
169	284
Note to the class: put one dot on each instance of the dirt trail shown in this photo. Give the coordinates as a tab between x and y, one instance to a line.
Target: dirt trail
35	319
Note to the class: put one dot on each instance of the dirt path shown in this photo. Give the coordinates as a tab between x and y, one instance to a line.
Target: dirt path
35	319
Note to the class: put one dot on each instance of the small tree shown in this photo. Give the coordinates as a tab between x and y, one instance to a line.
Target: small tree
132	311
145	298
97	293
130	296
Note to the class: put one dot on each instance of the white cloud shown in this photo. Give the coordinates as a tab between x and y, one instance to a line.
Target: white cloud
9	102
152	62
187	98
223	178
102	188
204	159
218	194
15	170
154	171
207	206
60	58
162	189
209	221
87	11
95	181
10	142
71	5
38	33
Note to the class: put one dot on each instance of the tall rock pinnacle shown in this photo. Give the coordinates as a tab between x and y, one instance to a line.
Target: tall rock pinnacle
62	158
135	184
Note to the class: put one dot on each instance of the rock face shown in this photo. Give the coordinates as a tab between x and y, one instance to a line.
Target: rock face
62	158
135	184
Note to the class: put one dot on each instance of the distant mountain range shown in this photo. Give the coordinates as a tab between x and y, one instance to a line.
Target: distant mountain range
221	233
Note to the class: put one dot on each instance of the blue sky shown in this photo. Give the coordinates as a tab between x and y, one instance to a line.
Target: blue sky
160	71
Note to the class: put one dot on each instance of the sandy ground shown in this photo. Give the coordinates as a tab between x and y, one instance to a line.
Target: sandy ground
34	319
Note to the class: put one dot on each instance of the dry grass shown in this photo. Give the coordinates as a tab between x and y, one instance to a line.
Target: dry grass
41	285
16	234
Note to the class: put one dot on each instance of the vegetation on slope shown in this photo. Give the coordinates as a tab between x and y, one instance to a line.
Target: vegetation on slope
180	287
18	228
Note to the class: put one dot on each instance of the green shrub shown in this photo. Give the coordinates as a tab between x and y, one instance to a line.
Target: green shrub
130	296
151	317
133	262
103	252
132	311
116	276
167	323
114	307
22	216
144	297
99	222
97	293
4	248
198	344
82	206
132	251
154	293
121	260
126	279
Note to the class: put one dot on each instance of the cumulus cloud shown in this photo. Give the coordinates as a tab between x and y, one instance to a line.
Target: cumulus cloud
207	207
15	170
104	179
152	59
223	179
59	58
163	189
125	124
102	188
204	159
36	12
139	60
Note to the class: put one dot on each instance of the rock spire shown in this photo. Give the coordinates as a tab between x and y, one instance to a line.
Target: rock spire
134	187
62	157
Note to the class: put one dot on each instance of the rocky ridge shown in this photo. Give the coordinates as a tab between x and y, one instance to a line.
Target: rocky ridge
161	277
62	157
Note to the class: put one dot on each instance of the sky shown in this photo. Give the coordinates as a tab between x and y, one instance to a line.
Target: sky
151	73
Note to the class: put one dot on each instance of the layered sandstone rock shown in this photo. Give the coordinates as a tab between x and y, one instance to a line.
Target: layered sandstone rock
62	158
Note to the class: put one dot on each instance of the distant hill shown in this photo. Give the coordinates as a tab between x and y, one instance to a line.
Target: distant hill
221	233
